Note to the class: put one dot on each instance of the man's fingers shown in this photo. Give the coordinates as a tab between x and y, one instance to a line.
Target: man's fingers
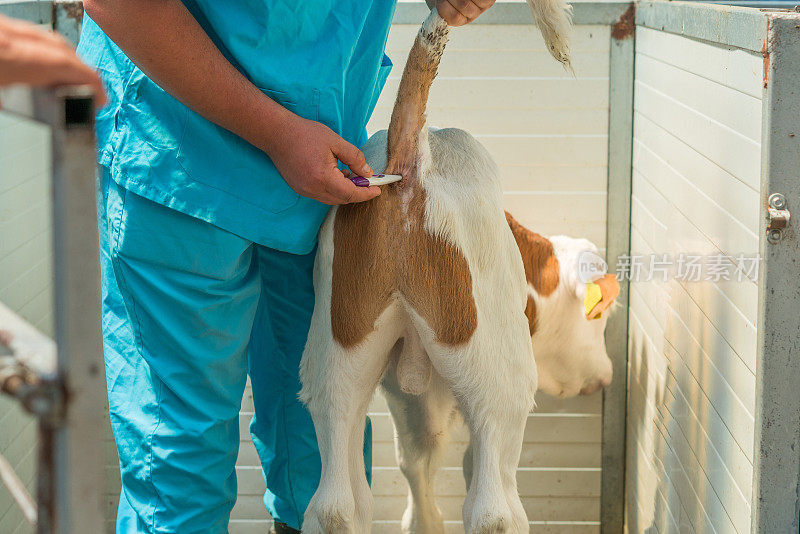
454	12
36	57
460	12
20	29
346	191
73	71
24	31
353	158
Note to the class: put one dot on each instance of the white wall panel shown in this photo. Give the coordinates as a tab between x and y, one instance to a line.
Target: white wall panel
696	158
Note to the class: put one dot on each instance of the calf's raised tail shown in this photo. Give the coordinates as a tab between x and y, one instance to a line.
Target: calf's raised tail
407	147
554	18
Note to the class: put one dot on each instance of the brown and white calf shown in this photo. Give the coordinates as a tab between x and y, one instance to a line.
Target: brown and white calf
568	343
570	357
424	288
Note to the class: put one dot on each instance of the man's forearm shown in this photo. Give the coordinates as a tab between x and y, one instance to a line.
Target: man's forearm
164	40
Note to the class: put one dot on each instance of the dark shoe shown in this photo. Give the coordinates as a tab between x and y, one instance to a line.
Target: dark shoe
282	528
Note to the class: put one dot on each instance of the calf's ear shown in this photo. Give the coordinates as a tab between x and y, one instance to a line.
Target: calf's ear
609	288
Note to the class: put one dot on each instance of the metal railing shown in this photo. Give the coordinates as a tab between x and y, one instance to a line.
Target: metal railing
61	381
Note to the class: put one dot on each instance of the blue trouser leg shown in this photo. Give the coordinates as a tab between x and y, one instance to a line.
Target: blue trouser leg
182	299
179	298
282	429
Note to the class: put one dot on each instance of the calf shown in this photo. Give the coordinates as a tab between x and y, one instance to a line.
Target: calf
569	348
568	340
425	282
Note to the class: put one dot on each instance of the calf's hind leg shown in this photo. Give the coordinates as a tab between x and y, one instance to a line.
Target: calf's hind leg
493	379
337	386
422	423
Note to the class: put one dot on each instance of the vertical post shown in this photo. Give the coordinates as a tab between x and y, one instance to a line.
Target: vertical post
72	469
77	464
618	217
776	461
67	19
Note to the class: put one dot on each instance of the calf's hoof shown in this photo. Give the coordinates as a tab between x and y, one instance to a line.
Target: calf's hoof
416	522
282	528
328	519
491	523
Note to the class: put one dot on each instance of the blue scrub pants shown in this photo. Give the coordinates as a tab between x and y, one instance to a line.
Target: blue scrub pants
188	311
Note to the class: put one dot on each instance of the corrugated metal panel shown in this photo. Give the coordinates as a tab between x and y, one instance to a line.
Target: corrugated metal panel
697	146
25	279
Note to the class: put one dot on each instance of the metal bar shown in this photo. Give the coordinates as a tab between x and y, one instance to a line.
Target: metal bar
68	18
26	103
740	27
18	491
776	462
38	12
71	480
518	12
70	449
765	5
73	445
29	347
618	231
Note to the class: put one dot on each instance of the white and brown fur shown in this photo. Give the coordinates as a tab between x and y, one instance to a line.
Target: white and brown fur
570	359
423	288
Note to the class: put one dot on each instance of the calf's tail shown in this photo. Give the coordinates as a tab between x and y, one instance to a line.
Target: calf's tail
407	146
554	18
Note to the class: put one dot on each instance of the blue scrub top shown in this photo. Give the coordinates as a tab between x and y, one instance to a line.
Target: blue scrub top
322	59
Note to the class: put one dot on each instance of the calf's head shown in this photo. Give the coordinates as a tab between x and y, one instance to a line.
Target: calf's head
568	341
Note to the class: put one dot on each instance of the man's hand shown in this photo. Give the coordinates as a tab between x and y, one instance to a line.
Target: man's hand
31	56
306	153
460	12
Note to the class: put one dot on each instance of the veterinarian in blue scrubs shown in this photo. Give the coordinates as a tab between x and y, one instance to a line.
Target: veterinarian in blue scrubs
218	152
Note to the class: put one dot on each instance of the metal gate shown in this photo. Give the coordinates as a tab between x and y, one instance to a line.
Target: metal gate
713	415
